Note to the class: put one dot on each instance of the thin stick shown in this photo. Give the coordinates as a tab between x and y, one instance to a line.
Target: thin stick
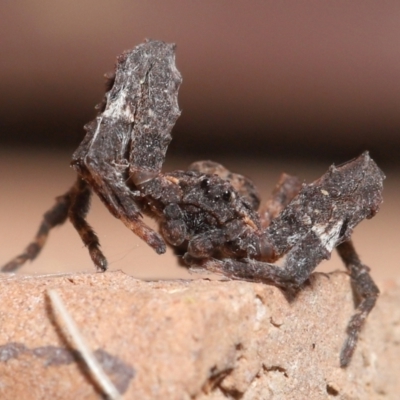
93	365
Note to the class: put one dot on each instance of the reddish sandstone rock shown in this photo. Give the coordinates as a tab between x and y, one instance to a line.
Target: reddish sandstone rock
195	339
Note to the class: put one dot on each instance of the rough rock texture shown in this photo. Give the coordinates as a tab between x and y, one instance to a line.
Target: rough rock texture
195	339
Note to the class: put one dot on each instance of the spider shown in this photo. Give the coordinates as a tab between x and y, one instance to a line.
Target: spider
209	215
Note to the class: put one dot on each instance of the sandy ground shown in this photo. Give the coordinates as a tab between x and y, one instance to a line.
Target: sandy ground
30	180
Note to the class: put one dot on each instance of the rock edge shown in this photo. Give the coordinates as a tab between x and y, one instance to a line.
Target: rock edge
196	339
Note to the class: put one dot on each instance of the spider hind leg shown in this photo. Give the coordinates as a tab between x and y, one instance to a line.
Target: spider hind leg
74	205
366	291
80	204
57	215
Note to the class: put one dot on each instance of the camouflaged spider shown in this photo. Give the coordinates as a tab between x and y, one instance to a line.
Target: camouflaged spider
208	214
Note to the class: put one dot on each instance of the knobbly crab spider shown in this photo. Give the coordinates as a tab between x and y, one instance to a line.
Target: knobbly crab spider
208	214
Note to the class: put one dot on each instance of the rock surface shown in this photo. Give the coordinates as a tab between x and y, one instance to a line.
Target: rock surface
195	339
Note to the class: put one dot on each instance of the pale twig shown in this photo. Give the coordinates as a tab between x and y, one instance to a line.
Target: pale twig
93	365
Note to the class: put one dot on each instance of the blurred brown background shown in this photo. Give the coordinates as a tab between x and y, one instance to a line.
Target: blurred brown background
267	86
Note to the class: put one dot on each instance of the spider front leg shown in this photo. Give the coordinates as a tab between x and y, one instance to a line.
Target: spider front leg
109	183
300	262
125	145
365	289
234	240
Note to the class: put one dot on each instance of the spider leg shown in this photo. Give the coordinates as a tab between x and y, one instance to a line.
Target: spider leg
57	215
285	190
73	205
366	289
109	184
233	241
81	194
126	144
204	245
301	260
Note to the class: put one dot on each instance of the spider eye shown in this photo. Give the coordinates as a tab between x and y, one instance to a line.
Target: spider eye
227	195
205	183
